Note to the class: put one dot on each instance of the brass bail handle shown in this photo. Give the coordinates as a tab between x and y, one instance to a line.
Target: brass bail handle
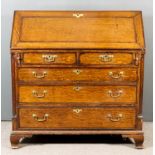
106	57
115	94
116	75
49	58
39	75
39	94
44	118
115	119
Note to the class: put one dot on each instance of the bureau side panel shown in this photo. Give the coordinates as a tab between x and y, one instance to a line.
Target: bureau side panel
14	86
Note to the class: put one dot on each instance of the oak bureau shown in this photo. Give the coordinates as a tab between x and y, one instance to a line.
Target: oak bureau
77	72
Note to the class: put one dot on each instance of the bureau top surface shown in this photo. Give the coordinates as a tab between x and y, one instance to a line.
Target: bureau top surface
77	30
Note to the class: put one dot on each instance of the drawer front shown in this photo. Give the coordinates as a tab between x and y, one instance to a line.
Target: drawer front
84	94
48	58
75	74
106	58
107	118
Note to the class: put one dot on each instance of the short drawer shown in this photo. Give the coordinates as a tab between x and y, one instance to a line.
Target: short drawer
107	58
76	74
84	94
76	118
49	58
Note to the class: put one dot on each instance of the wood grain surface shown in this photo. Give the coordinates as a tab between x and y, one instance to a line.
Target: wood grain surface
116	58
76	74
77	93
77	29
63	58
86	118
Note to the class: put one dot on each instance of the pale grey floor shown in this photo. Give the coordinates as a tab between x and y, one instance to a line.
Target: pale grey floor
76	148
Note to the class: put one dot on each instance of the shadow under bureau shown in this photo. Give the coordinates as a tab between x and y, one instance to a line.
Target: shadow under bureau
77	73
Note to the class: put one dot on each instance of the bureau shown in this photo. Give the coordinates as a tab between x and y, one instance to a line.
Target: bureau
77	73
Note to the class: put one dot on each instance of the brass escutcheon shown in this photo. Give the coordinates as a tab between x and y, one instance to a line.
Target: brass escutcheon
77	110
77	88
78	15
77	71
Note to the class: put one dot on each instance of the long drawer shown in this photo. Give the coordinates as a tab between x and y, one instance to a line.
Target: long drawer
85	94
77	74
107	118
